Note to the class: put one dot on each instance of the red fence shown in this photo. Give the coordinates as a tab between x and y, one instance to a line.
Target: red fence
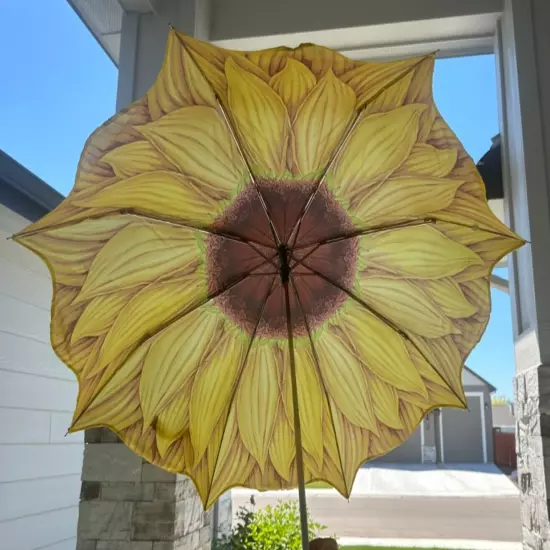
505	448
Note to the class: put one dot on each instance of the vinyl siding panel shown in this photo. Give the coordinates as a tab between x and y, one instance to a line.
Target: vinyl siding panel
40	467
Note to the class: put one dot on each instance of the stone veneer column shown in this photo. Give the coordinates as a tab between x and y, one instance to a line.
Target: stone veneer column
129	504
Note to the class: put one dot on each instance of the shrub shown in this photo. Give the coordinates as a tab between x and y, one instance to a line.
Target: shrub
271	528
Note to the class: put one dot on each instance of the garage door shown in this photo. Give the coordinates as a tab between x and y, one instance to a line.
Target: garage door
462	437
409	452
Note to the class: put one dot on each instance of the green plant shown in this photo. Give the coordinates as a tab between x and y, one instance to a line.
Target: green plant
273	527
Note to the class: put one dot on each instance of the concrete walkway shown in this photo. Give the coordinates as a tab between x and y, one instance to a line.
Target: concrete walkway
387	480
458	544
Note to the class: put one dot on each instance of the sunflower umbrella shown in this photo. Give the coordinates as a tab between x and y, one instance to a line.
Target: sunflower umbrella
271	267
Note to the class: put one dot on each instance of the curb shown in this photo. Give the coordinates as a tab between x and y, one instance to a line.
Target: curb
455	544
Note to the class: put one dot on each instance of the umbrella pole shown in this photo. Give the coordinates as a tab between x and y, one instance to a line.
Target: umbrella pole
297	429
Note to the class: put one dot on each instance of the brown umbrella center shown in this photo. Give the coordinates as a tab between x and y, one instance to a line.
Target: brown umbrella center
228	261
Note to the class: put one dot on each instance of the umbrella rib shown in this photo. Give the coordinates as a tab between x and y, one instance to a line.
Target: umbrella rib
325	390
238	379
382	228
179	317
389	323
343	141
238	145
368	231
132	213
250	173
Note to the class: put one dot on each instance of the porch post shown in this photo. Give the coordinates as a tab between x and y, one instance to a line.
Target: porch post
523	45
126	503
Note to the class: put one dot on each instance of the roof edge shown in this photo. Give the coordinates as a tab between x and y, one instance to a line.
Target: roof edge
16	181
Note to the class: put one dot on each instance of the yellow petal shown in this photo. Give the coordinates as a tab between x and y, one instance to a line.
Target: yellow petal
257	401
377	146
115	400
64	213
136	158
417	252
404	197
173	421
426	160
174	356
355	443
282	448
320	123
310	401
411	415
380	348
321	59
139	254
391	98
180	82
345	381
478	293
198	142
211	60
149	311
387	440
272	60
369	79
334	448
233	463
261	120
99	315
385	401
118	411
70	260
90	231
214	389
450	298
293	84
442	356
166	195
475	213
406	305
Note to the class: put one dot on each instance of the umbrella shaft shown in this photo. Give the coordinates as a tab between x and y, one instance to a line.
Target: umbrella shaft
297	428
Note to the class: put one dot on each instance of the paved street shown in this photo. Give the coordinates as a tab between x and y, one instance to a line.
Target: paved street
494	519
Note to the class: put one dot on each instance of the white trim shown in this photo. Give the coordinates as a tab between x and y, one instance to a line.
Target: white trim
441	436
422	438
481	396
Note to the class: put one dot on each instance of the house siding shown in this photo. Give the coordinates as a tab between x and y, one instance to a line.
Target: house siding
40	467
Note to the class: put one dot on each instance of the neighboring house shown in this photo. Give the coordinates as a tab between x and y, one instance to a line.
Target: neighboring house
40	468
453	435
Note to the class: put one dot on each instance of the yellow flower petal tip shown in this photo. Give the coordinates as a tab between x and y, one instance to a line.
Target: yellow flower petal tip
168	301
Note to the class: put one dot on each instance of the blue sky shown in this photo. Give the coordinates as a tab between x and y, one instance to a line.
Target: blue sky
59	85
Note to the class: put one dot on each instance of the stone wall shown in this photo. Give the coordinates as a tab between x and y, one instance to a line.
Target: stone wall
532	396
129	504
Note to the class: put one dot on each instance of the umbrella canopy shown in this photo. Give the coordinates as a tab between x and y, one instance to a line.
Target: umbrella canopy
272	266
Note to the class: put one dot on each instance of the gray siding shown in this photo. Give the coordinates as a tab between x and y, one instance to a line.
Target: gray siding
409	452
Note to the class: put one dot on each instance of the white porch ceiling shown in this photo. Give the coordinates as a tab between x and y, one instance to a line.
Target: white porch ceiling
104	19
